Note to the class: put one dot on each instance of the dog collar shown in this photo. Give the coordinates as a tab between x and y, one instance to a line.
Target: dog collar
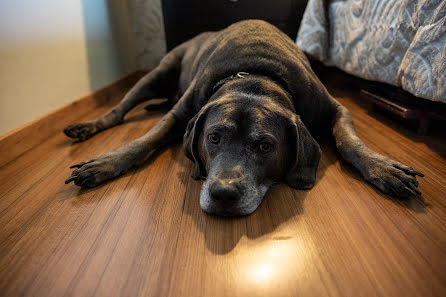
240	74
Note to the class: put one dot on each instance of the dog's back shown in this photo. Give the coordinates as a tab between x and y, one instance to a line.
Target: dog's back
255	47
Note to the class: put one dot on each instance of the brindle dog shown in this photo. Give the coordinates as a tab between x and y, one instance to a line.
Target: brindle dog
245	99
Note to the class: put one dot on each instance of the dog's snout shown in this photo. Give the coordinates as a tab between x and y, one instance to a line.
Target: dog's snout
226	191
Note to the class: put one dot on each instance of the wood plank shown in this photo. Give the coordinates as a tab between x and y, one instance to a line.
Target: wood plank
145	234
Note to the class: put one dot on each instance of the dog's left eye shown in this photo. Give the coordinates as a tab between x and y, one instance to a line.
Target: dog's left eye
265	147
214	138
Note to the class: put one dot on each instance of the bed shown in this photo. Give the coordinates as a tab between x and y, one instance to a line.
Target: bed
399	42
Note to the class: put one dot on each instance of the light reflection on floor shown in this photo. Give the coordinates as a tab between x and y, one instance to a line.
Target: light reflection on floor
270	261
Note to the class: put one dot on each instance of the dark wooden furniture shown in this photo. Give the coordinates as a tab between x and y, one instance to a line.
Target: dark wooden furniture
396	104
185	19
403	105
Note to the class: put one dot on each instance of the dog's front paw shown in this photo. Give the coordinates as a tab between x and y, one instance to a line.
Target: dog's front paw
81	131
91	173
393	178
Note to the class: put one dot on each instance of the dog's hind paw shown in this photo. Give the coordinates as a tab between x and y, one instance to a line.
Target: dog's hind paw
81	131
91	173
393	178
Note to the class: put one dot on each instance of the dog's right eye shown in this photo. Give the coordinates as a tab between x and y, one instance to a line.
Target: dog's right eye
265	147
214	138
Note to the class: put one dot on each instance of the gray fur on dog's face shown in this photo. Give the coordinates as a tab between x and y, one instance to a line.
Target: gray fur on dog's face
243	150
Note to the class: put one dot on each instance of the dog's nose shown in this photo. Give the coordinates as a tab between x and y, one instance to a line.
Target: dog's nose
226	191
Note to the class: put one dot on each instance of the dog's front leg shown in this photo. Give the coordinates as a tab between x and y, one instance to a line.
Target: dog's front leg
389	176
94	172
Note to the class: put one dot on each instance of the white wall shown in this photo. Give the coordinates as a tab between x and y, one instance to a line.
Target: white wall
52	52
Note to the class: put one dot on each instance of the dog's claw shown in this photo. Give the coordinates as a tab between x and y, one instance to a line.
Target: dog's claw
79	165
408	170
417	192
70	179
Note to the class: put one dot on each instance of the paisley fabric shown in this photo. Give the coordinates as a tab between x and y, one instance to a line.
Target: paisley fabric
400	42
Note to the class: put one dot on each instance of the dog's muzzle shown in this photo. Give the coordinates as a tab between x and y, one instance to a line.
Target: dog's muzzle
231	193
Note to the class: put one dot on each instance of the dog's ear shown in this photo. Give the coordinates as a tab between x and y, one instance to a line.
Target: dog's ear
190	143
305	155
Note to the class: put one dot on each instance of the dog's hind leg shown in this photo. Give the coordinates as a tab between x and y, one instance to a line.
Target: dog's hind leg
92	173
389	176
160	82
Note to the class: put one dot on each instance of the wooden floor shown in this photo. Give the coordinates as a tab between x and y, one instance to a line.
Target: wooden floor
144	234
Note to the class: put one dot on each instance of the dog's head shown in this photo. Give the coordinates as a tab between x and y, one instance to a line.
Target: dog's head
244	145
